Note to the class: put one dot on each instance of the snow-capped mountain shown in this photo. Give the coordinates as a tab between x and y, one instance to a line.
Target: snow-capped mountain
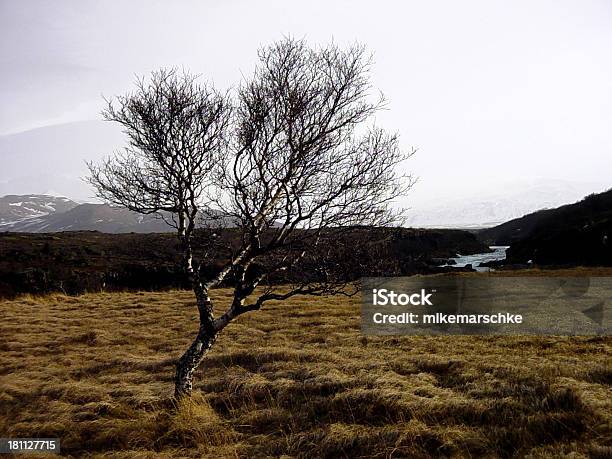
16	209
89	217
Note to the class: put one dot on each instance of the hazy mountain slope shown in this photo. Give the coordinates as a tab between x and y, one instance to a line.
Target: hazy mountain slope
579	233
495	206
51	160
15	209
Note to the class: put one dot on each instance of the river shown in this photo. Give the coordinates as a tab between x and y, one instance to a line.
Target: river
499	253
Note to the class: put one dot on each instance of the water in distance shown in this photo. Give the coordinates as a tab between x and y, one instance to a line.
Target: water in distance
499	253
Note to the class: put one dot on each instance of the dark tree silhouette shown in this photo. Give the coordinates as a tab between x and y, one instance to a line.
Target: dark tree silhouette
295	164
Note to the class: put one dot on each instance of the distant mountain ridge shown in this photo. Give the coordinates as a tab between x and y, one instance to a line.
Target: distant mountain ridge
54	158
91	217
49	214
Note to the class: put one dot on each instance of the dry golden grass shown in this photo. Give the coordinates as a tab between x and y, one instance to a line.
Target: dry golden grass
296	379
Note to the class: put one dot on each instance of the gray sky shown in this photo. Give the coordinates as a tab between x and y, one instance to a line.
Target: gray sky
489	91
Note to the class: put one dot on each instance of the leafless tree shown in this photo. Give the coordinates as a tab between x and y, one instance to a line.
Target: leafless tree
303	165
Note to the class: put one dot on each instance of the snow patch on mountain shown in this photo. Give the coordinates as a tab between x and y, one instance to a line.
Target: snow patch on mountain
18	209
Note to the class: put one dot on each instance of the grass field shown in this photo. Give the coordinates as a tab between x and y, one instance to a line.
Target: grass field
296	379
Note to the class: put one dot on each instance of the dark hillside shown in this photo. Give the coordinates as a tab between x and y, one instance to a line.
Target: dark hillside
75	262
574	234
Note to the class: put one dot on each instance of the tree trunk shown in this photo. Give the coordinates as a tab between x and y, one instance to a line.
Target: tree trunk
189	362
207	334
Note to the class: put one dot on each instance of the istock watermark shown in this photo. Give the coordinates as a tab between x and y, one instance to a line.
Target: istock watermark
435	305
383	297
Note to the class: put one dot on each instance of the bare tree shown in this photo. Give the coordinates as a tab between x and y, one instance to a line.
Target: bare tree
176	130
303	166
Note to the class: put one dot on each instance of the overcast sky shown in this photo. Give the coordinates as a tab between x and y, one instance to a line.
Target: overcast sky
489	91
